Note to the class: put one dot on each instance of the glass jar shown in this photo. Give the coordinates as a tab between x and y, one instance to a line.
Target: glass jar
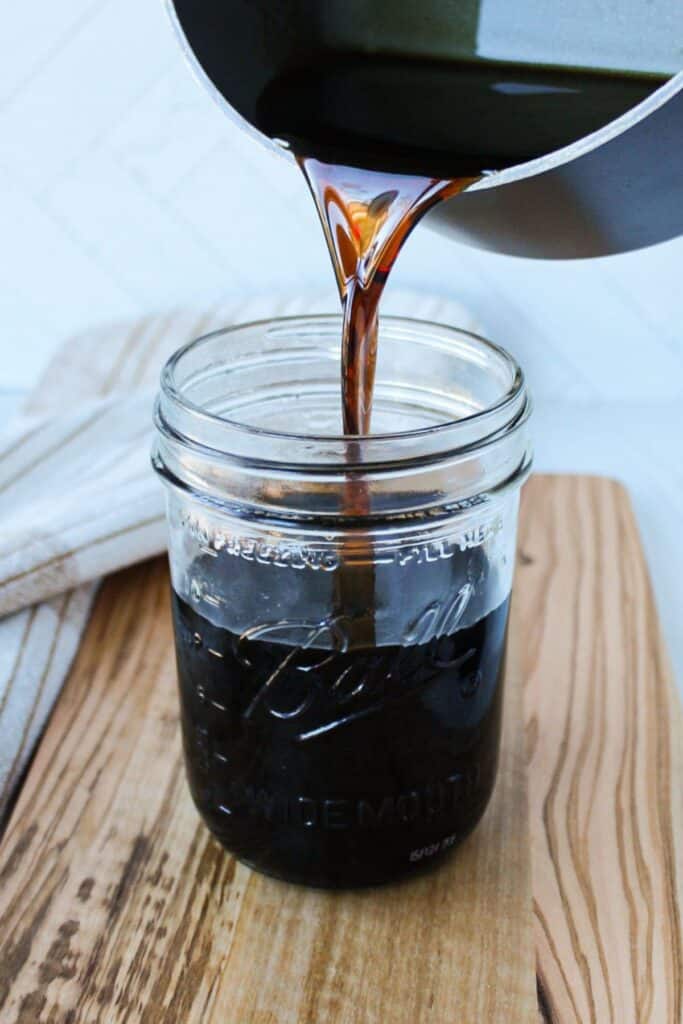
340	603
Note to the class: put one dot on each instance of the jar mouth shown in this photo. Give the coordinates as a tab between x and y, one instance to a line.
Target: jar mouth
217	393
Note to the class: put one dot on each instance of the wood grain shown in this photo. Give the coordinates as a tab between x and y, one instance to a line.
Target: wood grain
116	905
603	728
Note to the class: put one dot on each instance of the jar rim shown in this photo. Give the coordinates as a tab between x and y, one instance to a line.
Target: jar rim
287	368
504	411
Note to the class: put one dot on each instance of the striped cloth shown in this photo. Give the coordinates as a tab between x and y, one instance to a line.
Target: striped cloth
78	498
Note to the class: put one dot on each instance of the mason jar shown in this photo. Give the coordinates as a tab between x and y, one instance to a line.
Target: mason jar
340	603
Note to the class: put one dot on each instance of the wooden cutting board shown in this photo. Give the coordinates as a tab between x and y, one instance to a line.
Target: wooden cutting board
116	905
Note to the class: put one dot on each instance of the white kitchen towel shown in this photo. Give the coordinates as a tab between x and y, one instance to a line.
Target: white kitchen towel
78	498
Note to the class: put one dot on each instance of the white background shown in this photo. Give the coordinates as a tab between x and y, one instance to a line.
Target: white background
124	191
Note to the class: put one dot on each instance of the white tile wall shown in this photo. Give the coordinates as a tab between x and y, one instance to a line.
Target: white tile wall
123	190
